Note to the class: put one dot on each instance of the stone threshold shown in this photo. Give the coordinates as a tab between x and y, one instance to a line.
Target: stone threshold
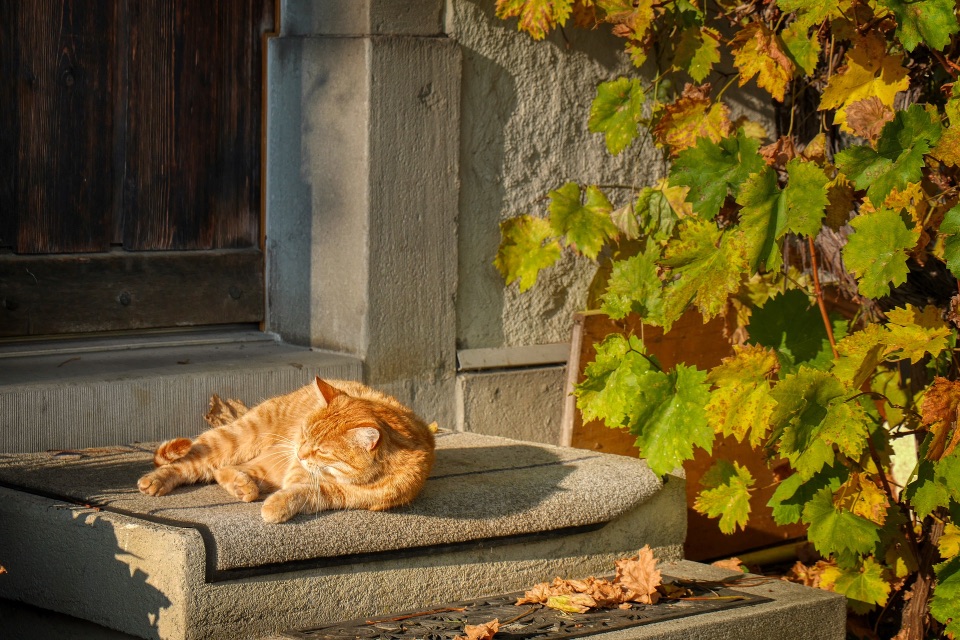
98	391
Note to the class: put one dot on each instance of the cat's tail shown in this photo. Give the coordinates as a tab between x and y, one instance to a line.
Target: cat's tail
171	450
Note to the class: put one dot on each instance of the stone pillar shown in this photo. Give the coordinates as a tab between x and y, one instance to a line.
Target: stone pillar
362	189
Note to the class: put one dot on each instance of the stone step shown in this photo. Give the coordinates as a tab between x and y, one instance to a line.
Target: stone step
94	392
496	516
787	611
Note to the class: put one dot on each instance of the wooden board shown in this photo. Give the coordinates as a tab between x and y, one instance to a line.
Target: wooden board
703	345
42	295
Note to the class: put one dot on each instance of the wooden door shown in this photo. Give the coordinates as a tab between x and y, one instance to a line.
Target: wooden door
130	163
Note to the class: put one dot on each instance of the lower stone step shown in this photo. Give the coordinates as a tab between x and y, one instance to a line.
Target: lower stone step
496	516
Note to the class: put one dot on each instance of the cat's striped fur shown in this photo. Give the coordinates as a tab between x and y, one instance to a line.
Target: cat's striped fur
329	445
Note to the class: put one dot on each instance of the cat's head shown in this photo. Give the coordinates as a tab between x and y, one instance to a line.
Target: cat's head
342	440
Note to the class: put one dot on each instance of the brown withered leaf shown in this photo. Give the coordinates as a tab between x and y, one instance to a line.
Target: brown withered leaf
3	569
639	577
807	575
939	412
779	153
223	412
690	118
585	14
839	202
674	591
866	117
729	563
953	313
484	631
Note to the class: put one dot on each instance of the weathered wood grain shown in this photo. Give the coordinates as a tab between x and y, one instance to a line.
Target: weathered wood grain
41	295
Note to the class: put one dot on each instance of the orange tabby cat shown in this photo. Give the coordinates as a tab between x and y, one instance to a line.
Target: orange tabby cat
329	445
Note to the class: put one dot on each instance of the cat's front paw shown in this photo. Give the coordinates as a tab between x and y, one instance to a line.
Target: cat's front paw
277	508
154	484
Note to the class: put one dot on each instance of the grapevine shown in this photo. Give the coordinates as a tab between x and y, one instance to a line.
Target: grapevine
832	243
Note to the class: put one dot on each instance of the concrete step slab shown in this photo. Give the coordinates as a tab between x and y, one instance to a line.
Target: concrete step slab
100	391
496	516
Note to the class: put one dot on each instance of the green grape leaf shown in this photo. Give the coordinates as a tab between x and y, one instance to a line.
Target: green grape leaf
634	287
927	492
768	213
607	391
794	492
706	265
671	418
792	325
950	229
864	586
656	216
945	604
714	169
928	22
741	404
626	389
536	17
586	226
802	48
898	158
697	51
527	246
617	111
833	530
812	415
877	251
726	495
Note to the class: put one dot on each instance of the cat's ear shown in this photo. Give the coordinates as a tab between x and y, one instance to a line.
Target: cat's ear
366	437
326	391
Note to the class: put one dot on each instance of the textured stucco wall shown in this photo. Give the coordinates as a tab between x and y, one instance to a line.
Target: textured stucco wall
523	133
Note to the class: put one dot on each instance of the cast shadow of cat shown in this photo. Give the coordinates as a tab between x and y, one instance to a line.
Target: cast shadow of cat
478	483
94	565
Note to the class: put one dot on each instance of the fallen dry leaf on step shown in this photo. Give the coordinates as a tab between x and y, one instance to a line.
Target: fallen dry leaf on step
572	603
484	631
639	577
730	563
224	412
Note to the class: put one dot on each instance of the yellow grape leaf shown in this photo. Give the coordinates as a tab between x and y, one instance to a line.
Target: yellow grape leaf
947	150
573	603
949	543
816	149
863	497
869	71
676	197
741	404
911	199
900	558
760	52
630	19
691	117
536	17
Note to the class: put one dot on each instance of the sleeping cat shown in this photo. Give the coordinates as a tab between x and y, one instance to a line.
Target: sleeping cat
329	445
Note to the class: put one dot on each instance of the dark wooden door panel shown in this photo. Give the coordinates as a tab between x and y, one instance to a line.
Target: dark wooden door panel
57	142
44	295
130	126
192	177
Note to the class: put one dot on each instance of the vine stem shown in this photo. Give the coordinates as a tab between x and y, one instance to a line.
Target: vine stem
819	293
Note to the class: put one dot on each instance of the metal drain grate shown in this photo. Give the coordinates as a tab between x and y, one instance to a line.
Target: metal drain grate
528	622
